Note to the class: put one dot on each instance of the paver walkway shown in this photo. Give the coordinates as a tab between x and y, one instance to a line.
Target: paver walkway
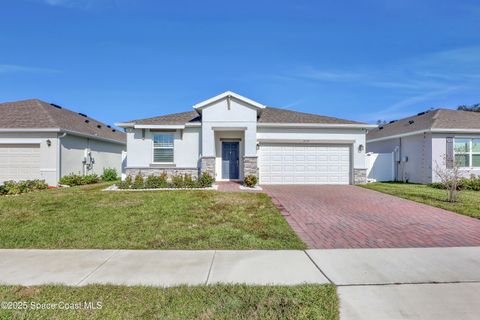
353	217
415	283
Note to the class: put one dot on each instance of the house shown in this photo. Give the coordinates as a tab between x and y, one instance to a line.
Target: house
230	137
39	140
429	139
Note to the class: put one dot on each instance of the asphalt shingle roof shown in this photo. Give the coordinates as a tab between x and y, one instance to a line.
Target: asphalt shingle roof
433	119
37	114
268	115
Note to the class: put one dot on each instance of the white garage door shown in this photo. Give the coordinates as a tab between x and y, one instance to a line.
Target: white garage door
19	162
304	164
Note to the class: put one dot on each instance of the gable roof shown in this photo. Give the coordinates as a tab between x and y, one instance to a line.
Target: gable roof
438	119
37	114
227	94
268	115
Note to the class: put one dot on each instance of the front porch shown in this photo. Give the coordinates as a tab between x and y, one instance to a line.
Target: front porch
234	157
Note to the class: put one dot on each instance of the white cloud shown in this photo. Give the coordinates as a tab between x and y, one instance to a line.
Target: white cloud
85	4
12	68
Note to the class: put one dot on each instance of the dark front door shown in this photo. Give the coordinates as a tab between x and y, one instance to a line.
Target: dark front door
230	152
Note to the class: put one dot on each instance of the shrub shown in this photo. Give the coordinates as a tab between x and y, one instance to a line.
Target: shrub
138	182
109	174
188	182
178	181
472	183
71	180
13	187
78	180
205	180
250	181
90	178
126	184
153	182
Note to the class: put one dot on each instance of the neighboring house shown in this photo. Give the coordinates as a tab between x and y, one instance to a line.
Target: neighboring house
230	136
437	137
39	140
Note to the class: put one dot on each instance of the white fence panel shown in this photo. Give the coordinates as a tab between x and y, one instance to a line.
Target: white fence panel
380	167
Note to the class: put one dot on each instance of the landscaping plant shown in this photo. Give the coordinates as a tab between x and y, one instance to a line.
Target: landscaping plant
109	174
78	180
449	177
14	187
250	181
180	181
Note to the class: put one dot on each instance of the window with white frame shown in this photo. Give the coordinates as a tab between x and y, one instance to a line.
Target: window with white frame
467	152
163	147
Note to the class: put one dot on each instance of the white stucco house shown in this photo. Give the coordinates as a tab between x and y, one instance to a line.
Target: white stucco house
231	136
39	140
440	137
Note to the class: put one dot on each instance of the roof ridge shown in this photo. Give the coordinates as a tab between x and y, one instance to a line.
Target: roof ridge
42	105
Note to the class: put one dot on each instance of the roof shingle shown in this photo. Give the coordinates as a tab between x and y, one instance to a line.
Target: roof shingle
433	119
37	114
268	115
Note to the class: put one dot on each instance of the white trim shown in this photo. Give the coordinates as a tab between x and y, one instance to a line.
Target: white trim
20	141
159	126
125	124
75	133
306	141
48	169
193	124
227	94
435	130
317	125
229	128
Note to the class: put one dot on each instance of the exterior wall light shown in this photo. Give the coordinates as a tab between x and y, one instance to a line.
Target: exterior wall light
360	148
49	142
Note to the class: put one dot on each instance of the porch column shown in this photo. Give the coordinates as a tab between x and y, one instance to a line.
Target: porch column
250	165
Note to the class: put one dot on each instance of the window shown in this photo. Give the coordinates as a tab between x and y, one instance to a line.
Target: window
163	147
467	152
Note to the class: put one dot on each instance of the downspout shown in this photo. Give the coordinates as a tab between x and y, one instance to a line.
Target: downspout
59	156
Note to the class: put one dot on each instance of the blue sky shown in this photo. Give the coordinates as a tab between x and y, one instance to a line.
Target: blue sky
124	59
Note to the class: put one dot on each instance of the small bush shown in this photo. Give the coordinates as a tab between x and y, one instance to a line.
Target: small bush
153	182
13	187
109	174
472	183
78	180
250	181
178	181
126	184
138	182
205	180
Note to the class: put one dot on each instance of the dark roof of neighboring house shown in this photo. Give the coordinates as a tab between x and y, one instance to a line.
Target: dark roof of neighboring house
37	114
267	115
433	119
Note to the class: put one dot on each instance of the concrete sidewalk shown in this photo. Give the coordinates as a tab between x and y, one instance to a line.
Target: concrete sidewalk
423	283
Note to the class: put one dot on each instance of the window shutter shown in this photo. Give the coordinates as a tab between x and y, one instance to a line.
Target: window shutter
449	158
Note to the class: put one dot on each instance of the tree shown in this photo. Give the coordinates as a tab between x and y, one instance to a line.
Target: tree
449	177
472	108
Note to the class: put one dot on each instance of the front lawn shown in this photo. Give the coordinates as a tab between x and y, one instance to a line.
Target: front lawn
468	201
86	217
203	302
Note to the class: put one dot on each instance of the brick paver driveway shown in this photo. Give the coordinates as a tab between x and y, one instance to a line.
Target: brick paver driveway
353	217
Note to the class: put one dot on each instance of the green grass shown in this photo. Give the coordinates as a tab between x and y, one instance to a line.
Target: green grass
203	302
86	217
468	201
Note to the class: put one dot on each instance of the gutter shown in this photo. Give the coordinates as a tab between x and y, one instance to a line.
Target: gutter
435	130
59	156
317	125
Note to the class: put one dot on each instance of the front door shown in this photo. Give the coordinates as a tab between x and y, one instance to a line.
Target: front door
230	153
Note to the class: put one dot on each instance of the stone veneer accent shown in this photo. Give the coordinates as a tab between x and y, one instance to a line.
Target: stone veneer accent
171	171
250	166
207	164
359	176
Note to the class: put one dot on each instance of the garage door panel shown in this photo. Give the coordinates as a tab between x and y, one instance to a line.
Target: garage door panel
19	162
304	164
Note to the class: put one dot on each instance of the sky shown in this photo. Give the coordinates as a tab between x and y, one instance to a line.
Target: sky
118	60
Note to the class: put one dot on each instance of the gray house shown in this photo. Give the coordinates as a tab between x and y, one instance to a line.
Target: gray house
39	140
429	139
